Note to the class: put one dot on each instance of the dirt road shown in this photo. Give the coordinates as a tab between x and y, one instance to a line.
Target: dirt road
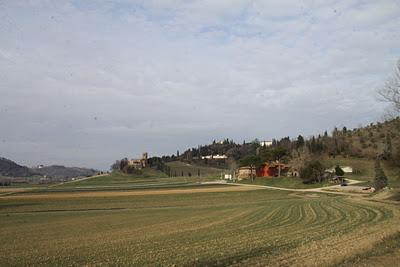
326	189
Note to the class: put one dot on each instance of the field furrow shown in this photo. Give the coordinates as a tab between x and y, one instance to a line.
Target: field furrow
214	229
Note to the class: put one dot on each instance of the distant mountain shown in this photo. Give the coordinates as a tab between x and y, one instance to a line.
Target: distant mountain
61	172
12	169
9	168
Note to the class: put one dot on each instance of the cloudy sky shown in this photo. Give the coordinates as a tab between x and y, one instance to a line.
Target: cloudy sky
86	82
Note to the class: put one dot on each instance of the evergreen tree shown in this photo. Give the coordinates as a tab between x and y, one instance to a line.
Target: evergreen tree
312	172
388	147
339	171
312	145
380	180
274	143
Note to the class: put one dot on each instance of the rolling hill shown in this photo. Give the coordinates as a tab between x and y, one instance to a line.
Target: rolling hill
61	172
11	169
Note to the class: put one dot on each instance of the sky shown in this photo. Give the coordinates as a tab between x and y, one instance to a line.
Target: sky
83	83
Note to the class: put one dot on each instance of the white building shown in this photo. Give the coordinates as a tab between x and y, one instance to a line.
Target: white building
228	176
266	143
214	157
346	169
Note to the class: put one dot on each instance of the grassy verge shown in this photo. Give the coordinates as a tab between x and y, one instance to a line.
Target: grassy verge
393	174
385	247
365	169
285	182
124	188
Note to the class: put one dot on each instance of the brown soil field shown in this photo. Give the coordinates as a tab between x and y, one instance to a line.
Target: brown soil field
137	192
198	226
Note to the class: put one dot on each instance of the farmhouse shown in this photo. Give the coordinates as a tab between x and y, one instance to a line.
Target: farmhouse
267	170
139	163
244	172
272	169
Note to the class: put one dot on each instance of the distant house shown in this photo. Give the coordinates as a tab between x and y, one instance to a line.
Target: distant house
228	176
44	180
265	143
139	163
346	169
244	172
267	170
214	157
272	170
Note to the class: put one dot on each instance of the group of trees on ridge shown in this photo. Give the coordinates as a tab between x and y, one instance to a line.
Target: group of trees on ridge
375	140
379	140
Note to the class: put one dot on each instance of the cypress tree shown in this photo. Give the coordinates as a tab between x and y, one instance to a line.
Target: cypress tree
388	147
380	180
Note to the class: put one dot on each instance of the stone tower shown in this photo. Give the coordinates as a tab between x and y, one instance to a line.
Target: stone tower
145	157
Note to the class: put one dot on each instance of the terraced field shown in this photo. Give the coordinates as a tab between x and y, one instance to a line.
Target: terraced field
266	227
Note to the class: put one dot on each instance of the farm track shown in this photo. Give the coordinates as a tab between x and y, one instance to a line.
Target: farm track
332	189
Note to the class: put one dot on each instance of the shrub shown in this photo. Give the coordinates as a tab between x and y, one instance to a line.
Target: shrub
364	146
131	170
357	171
312	171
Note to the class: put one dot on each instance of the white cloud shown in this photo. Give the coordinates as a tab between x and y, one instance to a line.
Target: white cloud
143	75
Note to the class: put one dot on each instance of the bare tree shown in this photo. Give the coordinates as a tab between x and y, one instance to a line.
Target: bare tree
391	91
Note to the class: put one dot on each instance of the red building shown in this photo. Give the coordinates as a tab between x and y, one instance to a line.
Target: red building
271	169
